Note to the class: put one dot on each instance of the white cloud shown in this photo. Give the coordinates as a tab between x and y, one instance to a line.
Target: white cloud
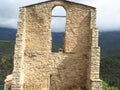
9	11
108	12
9	23
88	2
57	23
108	16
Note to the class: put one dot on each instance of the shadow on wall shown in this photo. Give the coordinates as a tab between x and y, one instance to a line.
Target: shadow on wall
71	69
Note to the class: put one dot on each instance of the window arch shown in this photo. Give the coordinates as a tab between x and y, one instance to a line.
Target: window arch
58	24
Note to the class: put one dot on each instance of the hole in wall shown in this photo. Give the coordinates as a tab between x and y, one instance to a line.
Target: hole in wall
58	23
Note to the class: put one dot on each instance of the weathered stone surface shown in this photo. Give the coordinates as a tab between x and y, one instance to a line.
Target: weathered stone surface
8	80
35	64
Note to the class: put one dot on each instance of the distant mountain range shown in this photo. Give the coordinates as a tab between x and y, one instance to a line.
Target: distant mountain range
7	33
108	41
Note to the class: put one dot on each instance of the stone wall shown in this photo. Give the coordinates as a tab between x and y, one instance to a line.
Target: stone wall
18	71
77	66
66	70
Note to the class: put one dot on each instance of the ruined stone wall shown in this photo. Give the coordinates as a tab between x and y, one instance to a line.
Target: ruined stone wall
38	42
78	66
77	33
66	70
18	71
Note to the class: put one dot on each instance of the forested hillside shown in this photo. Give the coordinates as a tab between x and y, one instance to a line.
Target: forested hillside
110	72
7	42
6	58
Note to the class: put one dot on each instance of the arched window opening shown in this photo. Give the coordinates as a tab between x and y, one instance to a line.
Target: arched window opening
58	23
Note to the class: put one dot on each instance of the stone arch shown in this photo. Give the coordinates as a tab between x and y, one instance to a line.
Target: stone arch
58	24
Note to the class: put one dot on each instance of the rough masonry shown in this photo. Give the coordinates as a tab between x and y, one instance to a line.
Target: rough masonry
35	64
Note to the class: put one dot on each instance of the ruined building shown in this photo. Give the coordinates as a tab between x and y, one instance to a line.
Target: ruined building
35	63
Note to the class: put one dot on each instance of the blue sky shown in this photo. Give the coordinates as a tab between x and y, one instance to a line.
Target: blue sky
108	12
